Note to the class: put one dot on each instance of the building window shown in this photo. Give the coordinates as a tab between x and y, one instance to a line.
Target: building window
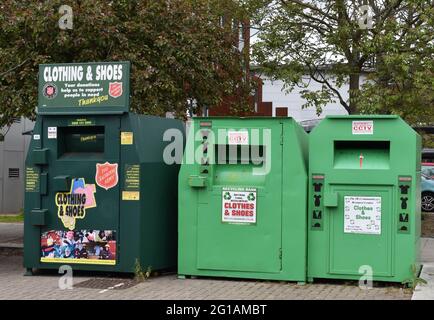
14	172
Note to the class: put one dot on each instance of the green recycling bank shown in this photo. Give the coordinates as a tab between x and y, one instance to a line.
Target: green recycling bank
98	195
364	196
242	199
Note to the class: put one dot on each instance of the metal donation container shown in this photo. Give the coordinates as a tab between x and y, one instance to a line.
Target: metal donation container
242	199
364	195
98	194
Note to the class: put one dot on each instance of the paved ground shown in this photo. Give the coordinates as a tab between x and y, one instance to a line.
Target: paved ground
426	292
13	285
427	250
11	235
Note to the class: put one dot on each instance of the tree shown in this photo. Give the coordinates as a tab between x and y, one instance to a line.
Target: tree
336	42
182	57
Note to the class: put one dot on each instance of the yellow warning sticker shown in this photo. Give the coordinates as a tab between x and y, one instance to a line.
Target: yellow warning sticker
131	195
126	138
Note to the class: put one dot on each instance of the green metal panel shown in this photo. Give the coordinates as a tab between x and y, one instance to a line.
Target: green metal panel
61	183
350	251
140	208
272	246
363	191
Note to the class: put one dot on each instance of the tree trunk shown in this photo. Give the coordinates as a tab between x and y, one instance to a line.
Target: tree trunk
354	93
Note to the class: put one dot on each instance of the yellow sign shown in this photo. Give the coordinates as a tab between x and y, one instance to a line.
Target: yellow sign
126	138
131	195
72	205
78	261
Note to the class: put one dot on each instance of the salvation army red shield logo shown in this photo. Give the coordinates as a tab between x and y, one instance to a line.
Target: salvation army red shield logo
115	89
106	175
50	91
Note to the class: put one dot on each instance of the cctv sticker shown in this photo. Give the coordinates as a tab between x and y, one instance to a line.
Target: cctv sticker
363	127
238	137
52	132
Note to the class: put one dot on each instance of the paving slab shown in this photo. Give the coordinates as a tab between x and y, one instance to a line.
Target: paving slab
13	285
11	235
427	250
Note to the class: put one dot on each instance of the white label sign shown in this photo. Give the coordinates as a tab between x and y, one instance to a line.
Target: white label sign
36	137
238	137
239	205
362	215
363	127
52	132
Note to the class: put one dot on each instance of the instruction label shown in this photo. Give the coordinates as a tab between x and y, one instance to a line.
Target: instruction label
362	215
81	122
52	132
126	138
32	179
239	205
131	183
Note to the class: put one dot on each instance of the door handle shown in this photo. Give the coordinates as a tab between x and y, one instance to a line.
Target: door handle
195	181
38	217
331	199
40	156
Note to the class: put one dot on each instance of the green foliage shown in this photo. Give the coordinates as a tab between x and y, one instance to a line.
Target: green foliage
427	140
414	281
325	40
178	49
141	274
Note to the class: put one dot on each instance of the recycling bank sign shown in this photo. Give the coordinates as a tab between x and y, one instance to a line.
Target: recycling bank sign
239	205
82	87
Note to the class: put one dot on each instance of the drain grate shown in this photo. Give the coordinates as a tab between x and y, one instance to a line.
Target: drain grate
107	284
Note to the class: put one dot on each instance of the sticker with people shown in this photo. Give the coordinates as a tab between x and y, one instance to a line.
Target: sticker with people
79	246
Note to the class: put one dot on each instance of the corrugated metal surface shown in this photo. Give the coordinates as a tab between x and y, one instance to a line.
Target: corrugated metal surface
12	155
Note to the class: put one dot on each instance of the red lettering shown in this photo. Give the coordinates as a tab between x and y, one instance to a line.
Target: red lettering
242	213
238	205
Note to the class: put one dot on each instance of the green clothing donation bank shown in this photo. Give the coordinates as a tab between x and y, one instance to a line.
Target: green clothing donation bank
98	195
242	199
364	198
